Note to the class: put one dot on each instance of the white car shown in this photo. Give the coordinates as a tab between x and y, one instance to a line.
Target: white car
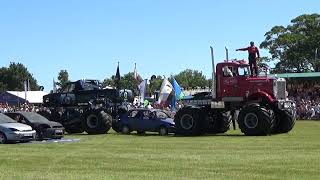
11	131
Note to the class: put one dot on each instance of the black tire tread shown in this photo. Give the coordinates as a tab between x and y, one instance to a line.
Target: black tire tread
198	127
104	122
265	122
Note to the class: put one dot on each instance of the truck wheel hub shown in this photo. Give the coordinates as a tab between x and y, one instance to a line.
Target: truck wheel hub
187	121
251	120
92	121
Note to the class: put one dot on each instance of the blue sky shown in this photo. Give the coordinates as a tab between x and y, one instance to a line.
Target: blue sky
88	38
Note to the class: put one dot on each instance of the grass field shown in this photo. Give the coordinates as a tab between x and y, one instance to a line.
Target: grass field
232	156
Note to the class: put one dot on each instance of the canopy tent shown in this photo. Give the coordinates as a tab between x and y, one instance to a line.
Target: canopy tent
296	75
20	97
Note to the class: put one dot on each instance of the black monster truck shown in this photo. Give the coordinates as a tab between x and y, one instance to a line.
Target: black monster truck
84	106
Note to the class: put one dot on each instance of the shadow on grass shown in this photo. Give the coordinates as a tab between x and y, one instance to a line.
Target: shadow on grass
154	134
178	136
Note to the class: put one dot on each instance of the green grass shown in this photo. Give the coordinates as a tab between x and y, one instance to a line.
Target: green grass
232	156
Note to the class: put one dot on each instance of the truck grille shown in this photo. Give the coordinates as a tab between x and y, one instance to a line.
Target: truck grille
280	88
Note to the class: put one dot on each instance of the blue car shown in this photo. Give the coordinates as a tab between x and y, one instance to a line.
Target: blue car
146	120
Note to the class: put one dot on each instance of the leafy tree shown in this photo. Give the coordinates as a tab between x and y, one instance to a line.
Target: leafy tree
155	84
13	78
63	78
295	45
3	87
191	78
127	81
109	81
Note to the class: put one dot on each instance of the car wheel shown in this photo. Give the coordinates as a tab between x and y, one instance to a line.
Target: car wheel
39	136
125	129
163	131
140	132
3	138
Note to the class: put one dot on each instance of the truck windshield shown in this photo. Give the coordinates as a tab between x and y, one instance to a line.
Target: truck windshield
244	71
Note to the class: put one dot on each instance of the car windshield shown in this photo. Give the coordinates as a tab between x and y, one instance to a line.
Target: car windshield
34	117
161	115
6	119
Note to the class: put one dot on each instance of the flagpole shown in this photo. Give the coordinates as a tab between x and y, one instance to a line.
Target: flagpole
25	90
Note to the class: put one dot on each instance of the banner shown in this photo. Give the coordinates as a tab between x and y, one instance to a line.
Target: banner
177	89
165	90
142	90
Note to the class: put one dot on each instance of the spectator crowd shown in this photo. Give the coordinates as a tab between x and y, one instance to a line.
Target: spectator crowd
307	99
4	108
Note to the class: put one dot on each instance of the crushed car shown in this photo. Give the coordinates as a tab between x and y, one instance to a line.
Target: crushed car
45	129
145	120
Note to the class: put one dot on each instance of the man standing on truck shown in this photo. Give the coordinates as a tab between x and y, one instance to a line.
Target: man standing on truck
253	51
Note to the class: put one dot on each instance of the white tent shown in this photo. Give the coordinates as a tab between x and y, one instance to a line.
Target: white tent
33	97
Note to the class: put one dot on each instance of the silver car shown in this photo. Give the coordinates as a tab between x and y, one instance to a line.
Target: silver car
11	131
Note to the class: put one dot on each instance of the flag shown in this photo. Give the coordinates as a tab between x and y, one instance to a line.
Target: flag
165	90
178	94
177	89
54	89
142	90
117	77
136	75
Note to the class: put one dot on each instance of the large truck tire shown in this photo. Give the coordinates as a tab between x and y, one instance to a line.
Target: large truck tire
219	123
74	128
72	121
188	121
116	126
286	121
97	122
255	120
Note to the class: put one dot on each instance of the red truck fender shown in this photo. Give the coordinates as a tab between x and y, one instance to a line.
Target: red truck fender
261	96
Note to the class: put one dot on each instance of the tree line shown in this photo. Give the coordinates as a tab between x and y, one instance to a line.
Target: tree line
294	48
187	79
12	78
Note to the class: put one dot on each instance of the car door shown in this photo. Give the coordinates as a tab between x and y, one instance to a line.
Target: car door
132	119
146	122
160	116
156	120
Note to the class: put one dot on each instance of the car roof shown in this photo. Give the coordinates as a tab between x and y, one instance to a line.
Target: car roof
145	109
21	112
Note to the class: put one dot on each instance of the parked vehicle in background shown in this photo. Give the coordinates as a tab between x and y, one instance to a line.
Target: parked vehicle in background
145	120
45	129
12	131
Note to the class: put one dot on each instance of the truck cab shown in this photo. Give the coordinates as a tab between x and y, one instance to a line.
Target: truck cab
235	82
